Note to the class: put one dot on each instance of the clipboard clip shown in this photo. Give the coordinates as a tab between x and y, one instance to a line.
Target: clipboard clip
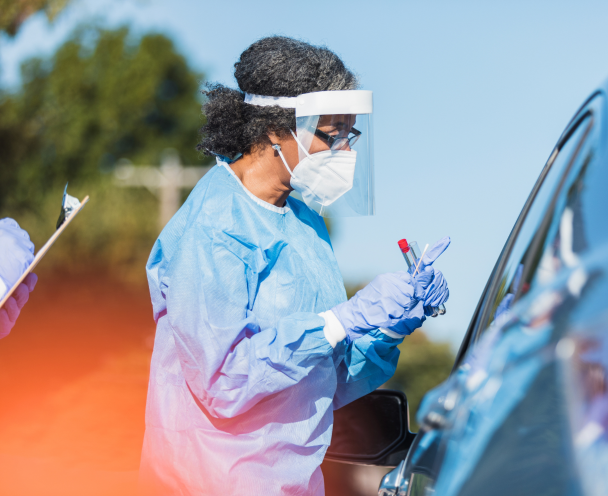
68	205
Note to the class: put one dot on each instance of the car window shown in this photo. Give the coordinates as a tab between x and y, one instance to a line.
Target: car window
561	239
564	235
516	271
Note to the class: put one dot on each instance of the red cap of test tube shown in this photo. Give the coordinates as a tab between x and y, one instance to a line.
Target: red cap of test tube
403	245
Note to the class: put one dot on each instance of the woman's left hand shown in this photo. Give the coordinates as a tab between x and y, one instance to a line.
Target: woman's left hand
435	287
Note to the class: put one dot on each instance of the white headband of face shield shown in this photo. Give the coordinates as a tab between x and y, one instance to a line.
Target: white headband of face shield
319	102
271	101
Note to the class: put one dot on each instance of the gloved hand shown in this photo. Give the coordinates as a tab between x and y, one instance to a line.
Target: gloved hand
12	308
433	283
392	300
17	253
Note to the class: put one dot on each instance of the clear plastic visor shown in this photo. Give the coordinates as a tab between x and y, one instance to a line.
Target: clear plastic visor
339	134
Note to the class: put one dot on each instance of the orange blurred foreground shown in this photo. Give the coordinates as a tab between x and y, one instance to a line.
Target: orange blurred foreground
73	383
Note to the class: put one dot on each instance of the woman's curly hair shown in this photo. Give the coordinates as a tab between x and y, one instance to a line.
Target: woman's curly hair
273	66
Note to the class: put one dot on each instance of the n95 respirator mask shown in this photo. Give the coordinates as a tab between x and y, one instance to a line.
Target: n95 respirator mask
322	177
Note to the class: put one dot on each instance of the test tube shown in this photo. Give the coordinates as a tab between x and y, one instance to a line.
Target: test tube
411	253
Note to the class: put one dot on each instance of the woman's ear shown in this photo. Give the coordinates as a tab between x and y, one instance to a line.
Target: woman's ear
287	144
276	139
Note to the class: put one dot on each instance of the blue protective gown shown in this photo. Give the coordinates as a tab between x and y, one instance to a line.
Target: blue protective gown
243	382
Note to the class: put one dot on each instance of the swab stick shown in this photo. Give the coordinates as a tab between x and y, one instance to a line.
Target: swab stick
420	260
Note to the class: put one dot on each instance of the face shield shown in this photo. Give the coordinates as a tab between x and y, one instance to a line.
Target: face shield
335	172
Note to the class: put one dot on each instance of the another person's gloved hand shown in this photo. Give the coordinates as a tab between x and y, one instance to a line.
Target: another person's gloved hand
11	309
17	253
394	301
433	283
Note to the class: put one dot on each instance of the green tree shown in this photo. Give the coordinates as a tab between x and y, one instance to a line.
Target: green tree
14	12
103	96
423	365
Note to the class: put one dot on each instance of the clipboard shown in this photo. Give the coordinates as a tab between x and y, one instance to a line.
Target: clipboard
42	252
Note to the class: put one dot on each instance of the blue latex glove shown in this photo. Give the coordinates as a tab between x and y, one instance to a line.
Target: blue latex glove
393	301
17	254
433	282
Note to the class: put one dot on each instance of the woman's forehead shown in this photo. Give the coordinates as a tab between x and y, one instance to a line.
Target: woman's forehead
337	120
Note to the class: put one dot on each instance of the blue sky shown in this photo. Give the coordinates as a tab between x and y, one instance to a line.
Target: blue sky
469	96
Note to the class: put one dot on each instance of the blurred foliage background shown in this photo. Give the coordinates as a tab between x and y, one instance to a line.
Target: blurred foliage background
423	364
14	13
105	95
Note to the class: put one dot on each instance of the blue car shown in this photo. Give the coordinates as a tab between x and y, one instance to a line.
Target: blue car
525	410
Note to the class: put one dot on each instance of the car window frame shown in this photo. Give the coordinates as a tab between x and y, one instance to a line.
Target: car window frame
484	303
594	109
535	243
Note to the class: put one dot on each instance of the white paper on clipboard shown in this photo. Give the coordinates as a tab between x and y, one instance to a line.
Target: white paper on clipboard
45	249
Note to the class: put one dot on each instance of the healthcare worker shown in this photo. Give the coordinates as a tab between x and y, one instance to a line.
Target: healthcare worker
16	254
256	344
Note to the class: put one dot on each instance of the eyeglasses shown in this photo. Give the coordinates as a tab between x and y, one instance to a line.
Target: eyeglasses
338	143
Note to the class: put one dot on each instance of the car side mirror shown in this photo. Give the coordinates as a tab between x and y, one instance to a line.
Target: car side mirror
373	430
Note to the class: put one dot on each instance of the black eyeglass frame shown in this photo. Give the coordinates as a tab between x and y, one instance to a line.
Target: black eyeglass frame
338	142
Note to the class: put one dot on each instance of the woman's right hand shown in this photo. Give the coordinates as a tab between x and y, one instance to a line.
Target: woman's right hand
393	300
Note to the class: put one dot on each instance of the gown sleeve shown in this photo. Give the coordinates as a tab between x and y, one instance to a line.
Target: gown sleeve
368	362
229	362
